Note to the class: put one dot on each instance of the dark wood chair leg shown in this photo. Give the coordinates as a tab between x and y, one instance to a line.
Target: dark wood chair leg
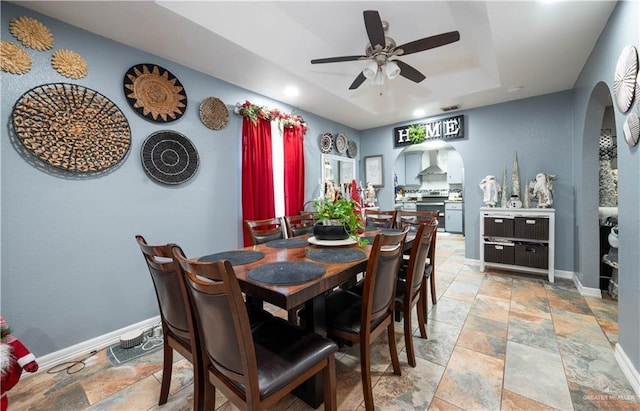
330	401
432	279
422	318
422	304
393	350
408	338
167	367
365	367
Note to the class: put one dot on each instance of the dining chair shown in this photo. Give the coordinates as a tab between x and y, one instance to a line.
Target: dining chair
413	219
175	315
362	318
299	224
252	367
380	219
408	289
264	230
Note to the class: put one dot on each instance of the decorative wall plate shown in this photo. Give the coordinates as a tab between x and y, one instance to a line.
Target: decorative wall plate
624	81
341	143
31	33
631	129
69	64
352	149
326	143
155	93
214	113
71	127
13	58
169	157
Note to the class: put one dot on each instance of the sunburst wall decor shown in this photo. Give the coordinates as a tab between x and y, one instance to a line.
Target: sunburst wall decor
31	33
155	93
13	59
69	64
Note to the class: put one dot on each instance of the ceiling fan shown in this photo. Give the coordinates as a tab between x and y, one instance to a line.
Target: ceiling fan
383	52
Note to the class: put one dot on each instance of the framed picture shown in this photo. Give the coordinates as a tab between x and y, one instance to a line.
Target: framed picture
373	171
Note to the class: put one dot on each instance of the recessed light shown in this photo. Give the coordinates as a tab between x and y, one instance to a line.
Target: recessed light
515	89
291	91
419	112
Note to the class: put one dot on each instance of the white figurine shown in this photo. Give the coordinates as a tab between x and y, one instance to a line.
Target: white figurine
542	189
490	188
370	196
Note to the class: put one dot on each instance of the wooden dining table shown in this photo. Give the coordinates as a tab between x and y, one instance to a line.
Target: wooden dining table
310	295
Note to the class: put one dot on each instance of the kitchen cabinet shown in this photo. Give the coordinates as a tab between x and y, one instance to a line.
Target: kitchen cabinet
412	166
454	217
455	168
518	239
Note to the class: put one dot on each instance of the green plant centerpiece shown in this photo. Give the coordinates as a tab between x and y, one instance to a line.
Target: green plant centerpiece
343	215
417	133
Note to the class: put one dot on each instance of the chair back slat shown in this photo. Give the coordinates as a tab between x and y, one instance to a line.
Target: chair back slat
299	224
265	230
216	299
380	219
419	253
168	285
381	274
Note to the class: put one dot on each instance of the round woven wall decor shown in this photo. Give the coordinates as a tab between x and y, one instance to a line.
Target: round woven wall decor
13	59
71	127
169	157
31	33
214	113
155	93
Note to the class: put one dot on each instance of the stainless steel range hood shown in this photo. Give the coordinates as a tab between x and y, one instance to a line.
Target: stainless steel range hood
433	165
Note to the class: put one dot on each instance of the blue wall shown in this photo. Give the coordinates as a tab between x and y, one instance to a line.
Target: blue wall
71	269
538	129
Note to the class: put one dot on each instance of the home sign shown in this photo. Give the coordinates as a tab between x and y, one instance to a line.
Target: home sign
443	129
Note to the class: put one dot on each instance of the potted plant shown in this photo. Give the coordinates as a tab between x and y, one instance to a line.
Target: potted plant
338	220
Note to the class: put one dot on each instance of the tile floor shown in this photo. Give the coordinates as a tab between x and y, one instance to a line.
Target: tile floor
497	341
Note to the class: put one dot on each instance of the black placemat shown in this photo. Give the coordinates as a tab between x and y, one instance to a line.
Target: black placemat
286	272
335	255
288	243
237	257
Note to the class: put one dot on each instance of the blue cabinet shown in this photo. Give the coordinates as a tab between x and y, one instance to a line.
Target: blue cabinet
412	166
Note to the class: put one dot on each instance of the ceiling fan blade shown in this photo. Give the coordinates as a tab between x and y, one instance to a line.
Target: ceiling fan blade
409	72
357	82
429	42
337	59
375	31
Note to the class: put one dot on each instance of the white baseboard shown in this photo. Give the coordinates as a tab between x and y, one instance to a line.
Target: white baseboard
628	369
585	291
50	360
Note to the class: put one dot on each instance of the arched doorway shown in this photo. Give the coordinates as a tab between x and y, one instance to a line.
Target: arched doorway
596	209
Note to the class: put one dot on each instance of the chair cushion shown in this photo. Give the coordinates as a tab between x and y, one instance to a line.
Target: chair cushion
284	352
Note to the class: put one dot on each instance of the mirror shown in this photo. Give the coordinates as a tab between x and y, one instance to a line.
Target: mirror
338	169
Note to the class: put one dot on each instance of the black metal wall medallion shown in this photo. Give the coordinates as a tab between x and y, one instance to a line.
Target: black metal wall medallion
155	93
169	157
326	143
352	149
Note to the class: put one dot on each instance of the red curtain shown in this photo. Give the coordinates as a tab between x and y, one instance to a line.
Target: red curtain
257	172
293	170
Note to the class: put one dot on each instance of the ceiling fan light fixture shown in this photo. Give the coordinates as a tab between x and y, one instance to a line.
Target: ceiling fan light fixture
370	70
392	70
378	79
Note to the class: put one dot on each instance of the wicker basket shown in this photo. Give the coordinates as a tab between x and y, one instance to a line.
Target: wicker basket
534	228
498	227
532	255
